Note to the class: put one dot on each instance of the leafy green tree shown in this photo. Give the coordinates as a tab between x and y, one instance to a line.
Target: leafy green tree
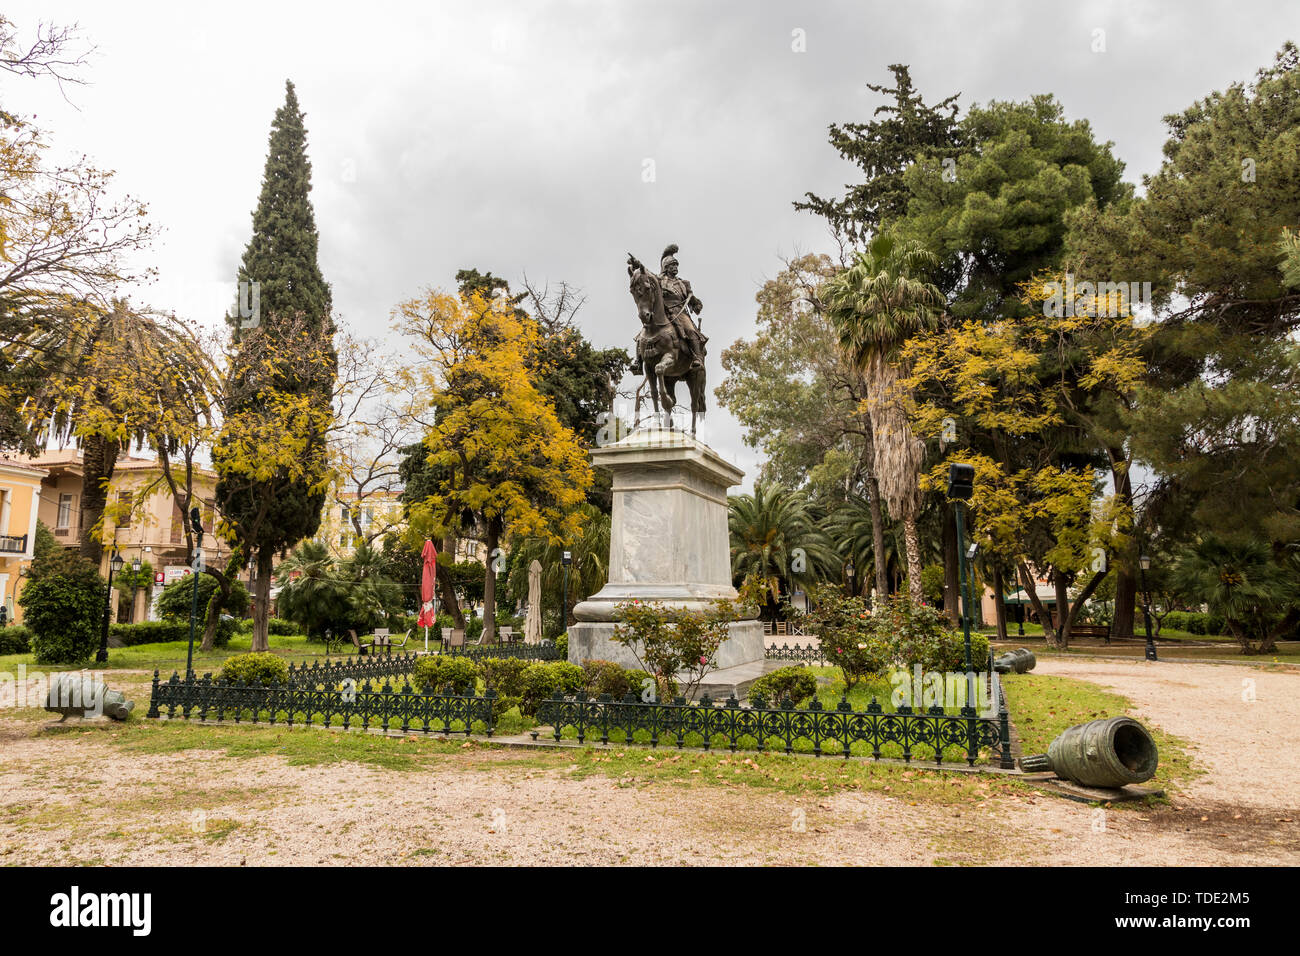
64	608
883	148
320	593
497	454
999	218
1215	416
271	457
173	603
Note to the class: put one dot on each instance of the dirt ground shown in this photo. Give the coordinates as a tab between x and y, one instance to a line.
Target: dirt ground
77	798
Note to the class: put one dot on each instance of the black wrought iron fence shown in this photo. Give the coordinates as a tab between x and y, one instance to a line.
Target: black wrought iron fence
358	668
354	704
758	726
799	654
527	652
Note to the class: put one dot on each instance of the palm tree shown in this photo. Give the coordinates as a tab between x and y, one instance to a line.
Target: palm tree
110	377
1257	596
312	592
876	305
776	539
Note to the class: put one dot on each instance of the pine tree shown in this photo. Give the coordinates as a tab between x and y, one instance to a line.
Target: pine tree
271	458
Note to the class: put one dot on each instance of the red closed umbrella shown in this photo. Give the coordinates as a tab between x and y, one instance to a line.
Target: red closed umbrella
428	577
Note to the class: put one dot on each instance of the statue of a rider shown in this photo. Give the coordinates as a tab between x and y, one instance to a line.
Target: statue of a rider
679	303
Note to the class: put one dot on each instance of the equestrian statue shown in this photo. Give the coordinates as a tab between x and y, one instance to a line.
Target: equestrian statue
670	346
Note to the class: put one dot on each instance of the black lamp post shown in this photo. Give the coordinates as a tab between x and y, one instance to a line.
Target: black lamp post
961	485
566	559
114	565
848	573
196	566
1144	564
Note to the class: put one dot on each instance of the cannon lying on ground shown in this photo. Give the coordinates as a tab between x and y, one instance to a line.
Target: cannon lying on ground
1101	753
81	696
1015	662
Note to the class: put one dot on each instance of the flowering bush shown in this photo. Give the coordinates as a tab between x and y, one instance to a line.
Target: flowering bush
848	636
899	633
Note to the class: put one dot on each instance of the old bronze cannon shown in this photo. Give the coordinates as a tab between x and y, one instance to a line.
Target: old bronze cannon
1015	662
81	696
1101	753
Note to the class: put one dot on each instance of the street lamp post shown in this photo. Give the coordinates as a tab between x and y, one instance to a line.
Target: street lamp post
114	565
196	567
961	485
1144	564
566	558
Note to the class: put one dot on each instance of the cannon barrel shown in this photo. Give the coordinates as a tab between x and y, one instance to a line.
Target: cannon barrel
1015	662
76	695
1101	753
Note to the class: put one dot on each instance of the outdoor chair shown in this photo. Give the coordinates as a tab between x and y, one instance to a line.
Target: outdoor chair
453	637
507	634
356	642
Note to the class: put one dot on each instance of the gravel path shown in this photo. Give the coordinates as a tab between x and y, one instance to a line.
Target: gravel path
1240	723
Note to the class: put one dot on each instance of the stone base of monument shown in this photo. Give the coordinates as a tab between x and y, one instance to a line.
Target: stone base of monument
739	661
668	545
589	640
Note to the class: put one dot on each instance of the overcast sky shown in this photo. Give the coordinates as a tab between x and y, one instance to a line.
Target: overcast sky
514	136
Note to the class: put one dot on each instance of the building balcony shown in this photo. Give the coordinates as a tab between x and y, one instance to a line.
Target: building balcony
13	544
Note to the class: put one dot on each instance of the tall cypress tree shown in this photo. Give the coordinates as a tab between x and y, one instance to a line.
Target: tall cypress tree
271	458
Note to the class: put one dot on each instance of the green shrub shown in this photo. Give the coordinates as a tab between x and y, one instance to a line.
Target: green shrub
278	626
64	610
606	677
505	675
473	629
796	684
160	632
543	680
562	645
438	674
257	668
15	639
152	632
1193	622
919	634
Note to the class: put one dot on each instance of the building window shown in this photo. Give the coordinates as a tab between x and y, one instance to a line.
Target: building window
63	523
124	500
178	523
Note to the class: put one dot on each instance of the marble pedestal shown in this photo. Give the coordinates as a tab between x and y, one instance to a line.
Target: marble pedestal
668	542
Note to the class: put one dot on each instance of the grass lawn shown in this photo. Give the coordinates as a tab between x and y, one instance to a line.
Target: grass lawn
170	656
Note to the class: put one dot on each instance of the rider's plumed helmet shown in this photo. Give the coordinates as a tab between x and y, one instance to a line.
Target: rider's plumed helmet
670	255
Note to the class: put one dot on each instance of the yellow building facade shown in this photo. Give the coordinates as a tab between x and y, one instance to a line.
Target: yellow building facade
20	495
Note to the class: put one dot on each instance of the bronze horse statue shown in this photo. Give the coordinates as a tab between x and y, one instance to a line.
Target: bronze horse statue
661	355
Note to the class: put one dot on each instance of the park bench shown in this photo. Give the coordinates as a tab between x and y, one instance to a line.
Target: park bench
1091	630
